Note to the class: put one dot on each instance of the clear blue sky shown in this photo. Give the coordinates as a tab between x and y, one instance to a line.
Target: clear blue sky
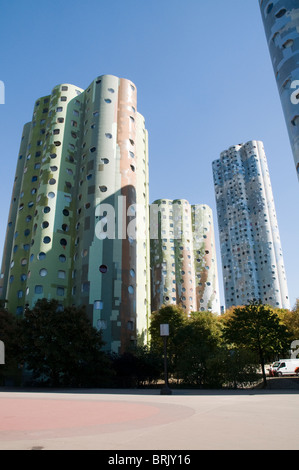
204	79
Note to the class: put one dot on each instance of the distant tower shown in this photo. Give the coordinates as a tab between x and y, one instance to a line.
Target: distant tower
82	171
281	22
252	259
183	256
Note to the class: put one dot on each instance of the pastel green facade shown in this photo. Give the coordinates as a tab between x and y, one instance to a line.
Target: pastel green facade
84	151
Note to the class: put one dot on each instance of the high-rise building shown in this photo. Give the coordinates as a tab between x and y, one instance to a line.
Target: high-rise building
72	235
252	260
183	256
281	23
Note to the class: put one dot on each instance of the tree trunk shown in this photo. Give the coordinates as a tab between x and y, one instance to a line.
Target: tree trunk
262	361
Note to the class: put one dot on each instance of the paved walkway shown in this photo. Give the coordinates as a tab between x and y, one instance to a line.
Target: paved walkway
145	420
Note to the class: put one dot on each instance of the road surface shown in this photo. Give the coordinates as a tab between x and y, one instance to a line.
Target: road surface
146	420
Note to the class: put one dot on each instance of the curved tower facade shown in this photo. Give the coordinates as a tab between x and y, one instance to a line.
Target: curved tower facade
183	256
82	171
252	260
281	23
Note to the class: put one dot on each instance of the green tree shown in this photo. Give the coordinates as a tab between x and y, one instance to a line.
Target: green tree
290	318
232	368
136	367
176	318
257	327
198	341
10	335
62	347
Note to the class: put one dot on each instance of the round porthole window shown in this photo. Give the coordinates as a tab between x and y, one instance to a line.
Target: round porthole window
103	268
43	272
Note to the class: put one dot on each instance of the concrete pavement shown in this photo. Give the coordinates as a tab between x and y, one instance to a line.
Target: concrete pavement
146	420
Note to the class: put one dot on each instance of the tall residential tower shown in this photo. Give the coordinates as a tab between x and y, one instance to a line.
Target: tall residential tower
281	23
183	256
252	259
82	169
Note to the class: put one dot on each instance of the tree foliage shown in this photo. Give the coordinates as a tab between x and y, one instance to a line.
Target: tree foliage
257	328
61	347
199	340
290	318
9	334
176	318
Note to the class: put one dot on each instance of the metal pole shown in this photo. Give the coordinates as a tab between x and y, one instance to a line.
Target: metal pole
165	390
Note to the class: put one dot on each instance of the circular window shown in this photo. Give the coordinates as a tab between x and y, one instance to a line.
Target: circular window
45	224
24	262
281	13
63	242
65	212
62	258
104	161
131	289
41	255
108	135
47	240
103	188
53	155
43	272
26	232
103	268
132	272
47	209
52	181
65	227
51	195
